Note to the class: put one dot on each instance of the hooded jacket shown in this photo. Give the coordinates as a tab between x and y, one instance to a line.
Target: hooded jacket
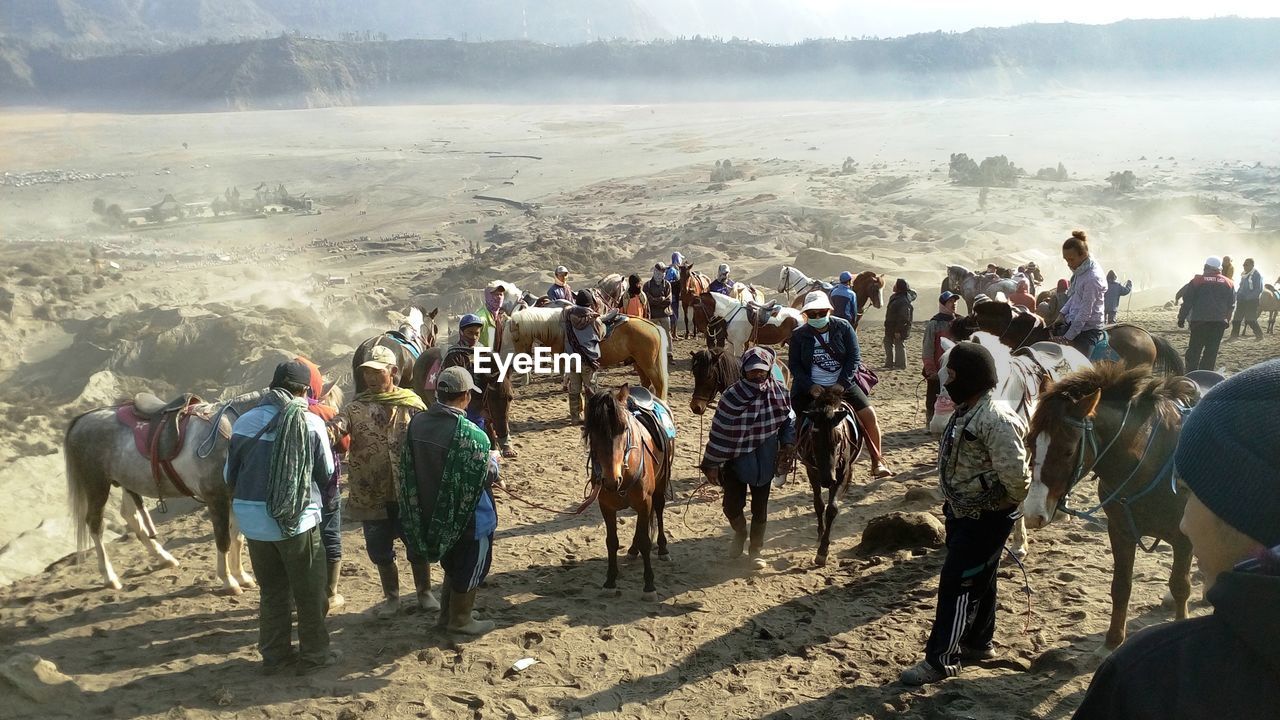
898	312
1208	298
1225	665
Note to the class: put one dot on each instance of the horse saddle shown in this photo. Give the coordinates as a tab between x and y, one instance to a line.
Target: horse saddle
159	431
822	285
611	320
652	412
760	315
410	343
1204	380
1050	356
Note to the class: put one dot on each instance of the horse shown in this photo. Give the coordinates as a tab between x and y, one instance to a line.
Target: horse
101	453
828	450
692	286
866	285
611	287
1020	381
747	293
630	468
645	344
715	370
1134	346
414	335
1123	425
738	328
968	284
1269	302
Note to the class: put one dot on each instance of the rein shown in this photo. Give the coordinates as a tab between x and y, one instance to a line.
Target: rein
788	286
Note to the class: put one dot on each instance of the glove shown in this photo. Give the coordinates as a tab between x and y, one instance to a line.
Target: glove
838	388
815	391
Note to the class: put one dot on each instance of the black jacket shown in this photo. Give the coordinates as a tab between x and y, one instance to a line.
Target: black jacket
1226	665
844	345
899	310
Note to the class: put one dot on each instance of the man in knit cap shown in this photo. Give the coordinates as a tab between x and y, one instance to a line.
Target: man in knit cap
982	470
1224	665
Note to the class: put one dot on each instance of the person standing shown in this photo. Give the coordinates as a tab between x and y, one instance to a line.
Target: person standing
1228	268
1115	291
844	301
634	302
673	277
898	316
492	317
1248	301
449	512
1207	303
559	289
377	420
982	470
825	354
319	404
1227	664
722	284
583	332
657	292
1086	295
277	464
938	327
462	354
1051	309
752	438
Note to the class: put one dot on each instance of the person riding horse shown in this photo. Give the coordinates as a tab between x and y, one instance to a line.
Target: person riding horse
583	333
825	353
752	438
1083	312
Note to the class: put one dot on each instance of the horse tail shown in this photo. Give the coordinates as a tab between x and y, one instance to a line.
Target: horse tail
77	494
1168	360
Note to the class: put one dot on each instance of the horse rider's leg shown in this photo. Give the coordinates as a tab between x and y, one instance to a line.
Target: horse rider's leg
235	556
645	541
733	503
220	513
867	419
132	509
1180	577
1123	549
1020	538
611	543
759	522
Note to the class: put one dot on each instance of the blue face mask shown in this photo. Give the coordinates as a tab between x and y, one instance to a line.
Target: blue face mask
820	322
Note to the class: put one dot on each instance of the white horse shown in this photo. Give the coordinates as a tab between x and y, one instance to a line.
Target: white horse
1021	380
739	330
101	454
794	283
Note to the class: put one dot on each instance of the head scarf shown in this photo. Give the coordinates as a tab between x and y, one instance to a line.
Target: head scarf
723	271
748	414
633	284
677	259
1062	285
659	272
901	286
492	302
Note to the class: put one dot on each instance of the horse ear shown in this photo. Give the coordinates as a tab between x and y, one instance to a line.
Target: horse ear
433	313
1088	405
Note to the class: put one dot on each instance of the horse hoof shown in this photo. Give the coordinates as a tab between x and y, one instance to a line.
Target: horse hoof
665	557
231	590
1102	652
820	561
113	585
651	596
248	582
610	593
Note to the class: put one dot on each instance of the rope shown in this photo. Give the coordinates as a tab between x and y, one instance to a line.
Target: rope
1026	588
589	499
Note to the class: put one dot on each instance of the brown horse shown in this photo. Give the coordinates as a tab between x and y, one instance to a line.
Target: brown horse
867	285
1123	425
630	468
1133	345
639	342
714	371
692	285
416	334
828	450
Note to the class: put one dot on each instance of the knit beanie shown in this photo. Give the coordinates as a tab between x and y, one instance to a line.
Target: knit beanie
975	371
1229	452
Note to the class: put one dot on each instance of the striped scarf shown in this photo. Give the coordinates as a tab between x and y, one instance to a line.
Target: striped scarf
289	481
747	416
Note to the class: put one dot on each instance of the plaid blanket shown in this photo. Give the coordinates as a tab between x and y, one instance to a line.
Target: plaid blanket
748	414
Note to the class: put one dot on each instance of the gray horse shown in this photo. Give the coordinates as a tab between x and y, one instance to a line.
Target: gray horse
968	284
100	453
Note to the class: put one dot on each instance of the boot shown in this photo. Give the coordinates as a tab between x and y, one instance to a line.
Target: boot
335	600
575	407
446	599
739	525
390	577
757	543
422	582
460	618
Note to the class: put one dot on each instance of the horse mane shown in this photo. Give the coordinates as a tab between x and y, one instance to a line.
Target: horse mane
999	351
605	418
537	323
729	365
333	398
1158	396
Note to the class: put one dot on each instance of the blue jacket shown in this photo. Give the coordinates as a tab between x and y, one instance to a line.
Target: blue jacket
1115	291
844	344
757	467
249	465
845	302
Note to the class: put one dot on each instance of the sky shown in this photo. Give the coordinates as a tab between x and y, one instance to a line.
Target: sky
793	20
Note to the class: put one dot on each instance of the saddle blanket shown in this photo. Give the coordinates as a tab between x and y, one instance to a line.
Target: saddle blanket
1103	352
126	416
399	337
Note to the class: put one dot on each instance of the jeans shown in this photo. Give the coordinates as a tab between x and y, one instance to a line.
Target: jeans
1247	312
966	613
291	568
331	531
1085	341
380	538
1202	347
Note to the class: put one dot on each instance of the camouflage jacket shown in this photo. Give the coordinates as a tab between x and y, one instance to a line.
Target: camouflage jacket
373	462
982	462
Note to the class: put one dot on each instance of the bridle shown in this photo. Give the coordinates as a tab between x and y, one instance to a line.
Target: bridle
789	286
629	448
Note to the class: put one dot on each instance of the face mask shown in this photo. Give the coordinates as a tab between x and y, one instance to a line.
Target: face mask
658	275
820	322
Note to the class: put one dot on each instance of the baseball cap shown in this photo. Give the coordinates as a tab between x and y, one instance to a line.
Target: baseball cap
291	373
946	297
468	320
562	270
380	358
455	380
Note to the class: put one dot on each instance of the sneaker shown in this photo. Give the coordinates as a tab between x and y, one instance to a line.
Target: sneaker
922	673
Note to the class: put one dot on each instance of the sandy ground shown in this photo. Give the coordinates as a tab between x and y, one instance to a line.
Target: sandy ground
209	308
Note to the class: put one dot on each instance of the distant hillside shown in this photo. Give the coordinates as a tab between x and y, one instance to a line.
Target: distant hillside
169	22
289	72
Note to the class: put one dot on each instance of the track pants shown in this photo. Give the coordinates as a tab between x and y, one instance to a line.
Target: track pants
966	614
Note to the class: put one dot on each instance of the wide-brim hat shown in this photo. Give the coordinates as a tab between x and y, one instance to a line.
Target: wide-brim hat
816	300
